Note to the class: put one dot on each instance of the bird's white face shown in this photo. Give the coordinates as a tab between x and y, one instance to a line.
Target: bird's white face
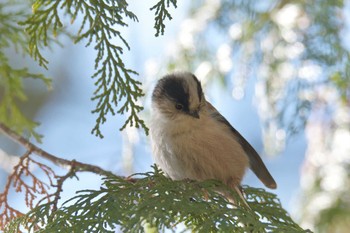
178	96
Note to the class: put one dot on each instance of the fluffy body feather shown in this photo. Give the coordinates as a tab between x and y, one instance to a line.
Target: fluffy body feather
192	140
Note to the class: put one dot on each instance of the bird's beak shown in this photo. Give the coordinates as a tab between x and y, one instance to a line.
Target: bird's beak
194	114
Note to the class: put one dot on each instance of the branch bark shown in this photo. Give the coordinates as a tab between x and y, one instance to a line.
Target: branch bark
67	164
36	186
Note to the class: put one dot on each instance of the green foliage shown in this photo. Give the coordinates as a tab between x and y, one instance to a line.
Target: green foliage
335	218
11	33
12	84
100	19
39	31
342	82
161	14
117	91
11	79
152	198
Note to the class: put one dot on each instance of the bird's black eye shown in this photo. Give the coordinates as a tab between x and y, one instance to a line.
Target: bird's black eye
179	106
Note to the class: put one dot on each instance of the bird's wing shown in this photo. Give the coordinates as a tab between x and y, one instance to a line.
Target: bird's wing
255	162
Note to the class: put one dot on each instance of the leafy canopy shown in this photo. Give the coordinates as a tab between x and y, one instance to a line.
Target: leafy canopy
11	79
117	89
128	204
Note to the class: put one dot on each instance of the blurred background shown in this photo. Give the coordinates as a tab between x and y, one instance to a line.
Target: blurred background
278	70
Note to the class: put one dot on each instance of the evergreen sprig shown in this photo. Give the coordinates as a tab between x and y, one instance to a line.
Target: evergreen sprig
11	79
11	33
161	14
41	27
152	198
100	19
13	92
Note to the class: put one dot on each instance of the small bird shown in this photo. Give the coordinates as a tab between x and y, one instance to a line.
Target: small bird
192	140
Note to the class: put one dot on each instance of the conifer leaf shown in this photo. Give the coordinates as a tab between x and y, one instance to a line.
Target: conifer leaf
161	14
155	201
117	90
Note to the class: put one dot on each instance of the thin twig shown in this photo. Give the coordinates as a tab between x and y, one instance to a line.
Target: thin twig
22	168
59	186
79	166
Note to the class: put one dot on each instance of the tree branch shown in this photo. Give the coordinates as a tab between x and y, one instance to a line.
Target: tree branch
67	164
37	187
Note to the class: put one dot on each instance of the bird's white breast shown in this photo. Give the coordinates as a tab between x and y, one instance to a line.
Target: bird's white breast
197	149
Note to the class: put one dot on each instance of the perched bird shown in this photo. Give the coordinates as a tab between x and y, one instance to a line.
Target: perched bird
192	140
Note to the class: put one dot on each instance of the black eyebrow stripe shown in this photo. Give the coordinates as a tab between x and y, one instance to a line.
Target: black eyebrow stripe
174	88
199	87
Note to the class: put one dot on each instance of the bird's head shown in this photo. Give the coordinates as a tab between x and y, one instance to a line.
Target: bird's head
178	95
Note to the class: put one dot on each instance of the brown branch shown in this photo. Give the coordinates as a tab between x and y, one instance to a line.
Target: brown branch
30	189
78	166
59	186
7	213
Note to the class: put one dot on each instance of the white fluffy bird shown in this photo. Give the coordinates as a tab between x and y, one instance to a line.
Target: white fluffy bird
192	140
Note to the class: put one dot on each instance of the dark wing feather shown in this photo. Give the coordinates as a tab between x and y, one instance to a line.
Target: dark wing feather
255	162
